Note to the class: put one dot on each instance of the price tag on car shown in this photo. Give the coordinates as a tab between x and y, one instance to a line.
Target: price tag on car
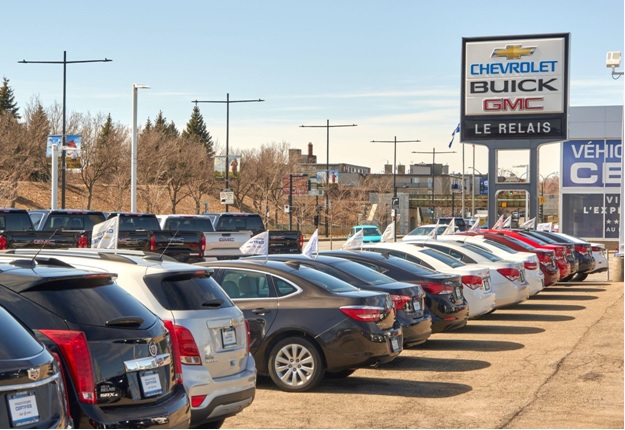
458	292
23	409
151	383
228	337
487	284
416	304
395	346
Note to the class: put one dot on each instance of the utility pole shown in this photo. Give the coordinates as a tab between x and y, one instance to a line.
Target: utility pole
63	137
328	126
433	162
227	102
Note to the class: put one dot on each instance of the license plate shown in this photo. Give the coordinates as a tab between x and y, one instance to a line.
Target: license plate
395	346
458	292
23	409
228	337
416	304
522	275
151	383
487	284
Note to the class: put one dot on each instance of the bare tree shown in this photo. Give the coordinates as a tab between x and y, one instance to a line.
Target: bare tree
16	157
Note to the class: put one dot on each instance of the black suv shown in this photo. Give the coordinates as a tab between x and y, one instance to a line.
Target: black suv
459	222
117	358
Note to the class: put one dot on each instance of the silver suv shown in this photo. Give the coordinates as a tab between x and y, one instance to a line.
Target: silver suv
218	371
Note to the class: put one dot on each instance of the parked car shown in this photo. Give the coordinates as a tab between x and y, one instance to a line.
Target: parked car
117	358
415	320
32	394
475	278
210	332
571	257
370	233
306	324
533	274
507	277
598	254
424	230
459	222
443	291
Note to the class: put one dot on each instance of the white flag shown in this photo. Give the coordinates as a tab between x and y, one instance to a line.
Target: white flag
312	246
451	228
529	224
544	226
507	222
499	224
104	235
257	245
355	241
389	233
476	225
434	233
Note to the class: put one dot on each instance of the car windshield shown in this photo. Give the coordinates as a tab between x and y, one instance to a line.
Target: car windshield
324	280
443	258
371	231
363	273
421	231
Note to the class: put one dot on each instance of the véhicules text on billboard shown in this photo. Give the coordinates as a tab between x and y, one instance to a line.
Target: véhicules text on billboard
515	87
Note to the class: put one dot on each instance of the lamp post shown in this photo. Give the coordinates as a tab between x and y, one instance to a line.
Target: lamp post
63	137
473	170
291	176
327	127
433	162
395	200
133	157
527	178
542	195
227	102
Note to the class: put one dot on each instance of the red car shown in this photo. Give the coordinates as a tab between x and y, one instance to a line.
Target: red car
546	257
560	250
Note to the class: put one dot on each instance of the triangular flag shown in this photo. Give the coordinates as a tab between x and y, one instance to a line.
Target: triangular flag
499	224
257	245
529	224
389	233
451	228
355	241
104	235
312	246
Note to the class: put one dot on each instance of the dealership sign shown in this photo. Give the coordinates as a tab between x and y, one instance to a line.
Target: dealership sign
592	163
515	87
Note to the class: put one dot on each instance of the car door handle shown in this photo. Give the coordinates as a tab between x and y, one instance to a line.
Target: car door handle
261	311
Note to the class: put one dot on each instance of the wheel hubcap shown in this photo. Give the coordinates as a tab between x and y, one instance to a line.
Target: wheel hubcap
294	365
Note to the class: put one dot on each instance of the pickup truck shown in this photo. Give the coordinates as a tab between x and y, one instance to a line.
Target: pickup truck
220	245
280	241
137	231
17	231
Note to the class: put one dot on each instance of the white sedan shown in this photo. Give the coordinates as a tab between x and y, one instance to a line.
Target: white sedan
475	277
425	231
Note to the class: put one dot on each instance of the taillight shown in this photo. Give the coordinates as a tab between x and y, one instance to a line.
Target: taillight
82	241
3	242
203	243
472	282
174	350
62	384
249	335
196	401
510	273
75	350
437	288
301	240
530	265
400	301
363	313
597	249
152	243
188	352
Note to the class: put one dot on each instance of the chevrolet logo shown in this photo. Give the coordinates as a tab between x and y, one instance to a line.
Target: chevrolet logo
513	52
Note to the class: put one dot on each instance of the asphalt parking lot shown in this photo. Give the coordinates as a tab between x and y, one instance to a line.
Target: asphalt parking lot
554	361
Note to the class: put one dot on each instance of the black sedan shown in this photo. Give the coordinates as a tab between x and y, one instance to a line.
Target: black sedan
573	258
305	323
31	384
582	252
448	311
118	364
415	320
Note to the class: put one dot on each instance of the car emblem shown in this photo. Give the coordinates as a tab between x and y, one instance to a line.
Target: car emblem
513	52
33	374
152	348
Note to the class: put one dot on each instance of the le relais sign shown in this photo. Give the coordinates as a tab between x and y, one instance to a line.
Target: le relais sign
515	87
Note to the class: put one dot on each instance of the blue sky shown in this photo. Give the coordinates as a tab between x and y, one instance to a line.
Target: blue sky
393	68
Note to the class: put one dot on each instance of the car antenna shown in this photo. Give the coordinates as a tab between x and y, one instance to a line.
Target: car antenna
32	262
169	241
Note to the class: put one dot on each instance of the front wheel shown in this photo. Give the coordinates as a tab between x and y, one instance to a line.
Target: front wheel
295	365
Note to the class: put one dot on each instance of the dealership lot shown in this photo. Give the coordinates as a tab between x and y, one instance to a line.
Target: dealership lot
554	361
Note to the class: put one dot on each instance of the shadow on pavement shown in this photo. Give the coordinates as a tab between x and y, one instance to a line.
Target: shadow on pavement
497	329
546	307
566	289
504	316
563	297
469	345
404	362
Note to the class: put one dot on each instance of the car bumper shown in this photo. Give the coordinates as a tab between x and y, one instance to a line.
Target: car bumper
480	301
446	316
416	331
551	274
508	292
536	281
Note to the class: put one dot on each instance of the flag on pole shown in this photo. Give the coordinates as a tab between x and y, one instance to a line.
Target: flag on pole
104	235
507	222
499	224
389	232
355	241
257	245
476	225
451	228
529	224
312	246
453	135
434	233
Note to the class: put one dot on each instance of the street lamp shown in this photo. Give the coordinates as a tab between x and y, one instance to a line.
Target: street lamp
63	137
227	102
433	162
527	178
328	126
291	176
542	194
473	170
133	157
395	200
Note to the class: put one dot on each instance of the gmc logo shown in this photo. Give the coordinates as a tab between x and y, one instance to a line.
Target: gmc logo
226	239
517	104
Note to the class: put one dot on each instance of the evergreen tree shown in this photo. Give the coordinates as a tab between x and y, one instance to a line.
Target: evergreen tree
196	129
7	99
161	126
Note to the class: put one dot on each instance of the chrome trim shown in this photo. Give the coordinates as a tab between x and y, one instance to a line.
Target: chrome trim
29	385
147	363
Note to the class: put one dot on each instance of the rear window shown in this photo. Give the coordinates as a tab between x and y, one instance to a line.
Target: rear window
189	224
483	252
500	246
370	276
83	304
15	222
72	221
16	341
240	222
138	223
187	292
443	258
324	280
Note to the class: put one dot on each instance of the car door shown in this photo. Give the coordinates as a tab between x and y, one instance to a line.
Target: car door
253	292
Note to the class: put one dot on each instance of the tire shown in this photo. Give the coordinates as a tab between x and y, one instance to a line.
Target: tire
340	374
579	277
295	365
567	278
